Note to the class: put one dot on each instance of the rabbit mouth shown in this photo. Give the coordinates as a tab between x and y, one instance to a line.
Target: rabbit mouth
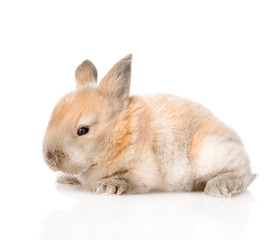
53	165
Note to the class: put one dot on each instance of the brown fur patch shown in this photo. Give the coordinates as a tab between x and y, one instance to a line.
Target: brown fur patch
123	133
119	173
123	137
200	186
74	105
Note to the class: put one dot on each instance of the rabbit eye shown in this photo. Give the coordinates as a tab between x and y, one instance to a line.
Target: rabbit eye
82	131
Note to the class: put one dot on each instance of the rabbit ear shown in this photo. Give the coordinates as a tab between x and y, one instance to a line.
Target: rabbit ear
117	81
86	75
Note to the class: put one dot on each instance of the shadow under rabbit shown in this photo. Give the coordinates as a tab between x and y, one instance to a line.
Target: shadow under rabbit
147	216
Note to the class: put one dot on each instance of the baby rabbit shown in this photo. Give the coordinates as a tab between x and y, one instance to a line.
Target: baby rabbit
113	143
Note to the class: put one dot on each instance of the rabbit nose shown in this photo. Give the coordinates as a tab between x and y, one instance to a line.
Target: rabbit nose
51	157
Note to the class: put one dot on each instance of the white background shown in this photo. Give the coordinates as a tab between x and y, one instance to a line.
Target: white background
223	54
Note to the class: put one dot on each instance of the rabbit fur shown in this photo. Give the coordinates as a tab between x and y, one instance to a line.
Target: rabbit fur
141	144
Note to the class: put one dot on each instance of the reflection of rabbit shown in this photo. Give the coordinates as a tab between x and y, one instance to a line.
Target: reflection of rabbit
161	216
112	143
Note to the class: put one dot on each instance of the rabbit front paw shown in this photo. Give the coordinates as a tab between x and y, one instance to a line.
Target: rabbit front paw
65	179
112	185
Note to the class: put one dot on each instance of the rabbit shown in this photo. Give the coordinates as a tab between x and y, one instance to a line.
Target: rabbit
109	142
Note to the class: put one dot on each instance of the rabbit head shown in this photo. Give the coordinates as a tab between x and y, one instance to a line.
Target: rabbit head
80	123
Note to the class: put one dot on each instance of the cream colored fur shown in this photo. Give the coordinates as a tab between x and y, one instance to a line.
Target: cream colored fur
141	144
